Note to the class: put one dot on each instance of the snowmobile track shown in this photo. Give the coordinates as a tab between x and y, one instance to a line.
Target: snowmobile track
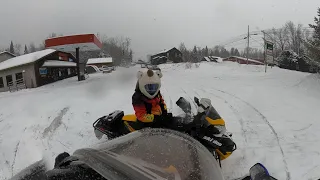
267	122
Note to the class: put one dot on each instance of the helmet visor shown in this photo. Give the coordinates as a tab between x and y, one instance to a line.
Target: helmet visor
151	88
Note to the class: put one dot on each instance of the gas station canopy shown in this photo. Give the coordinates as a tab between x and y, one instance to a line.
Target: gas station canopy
82	42
85	42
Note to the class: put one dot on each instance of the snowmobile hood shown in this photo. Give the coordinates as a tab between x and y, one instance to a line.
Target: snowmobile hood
152	154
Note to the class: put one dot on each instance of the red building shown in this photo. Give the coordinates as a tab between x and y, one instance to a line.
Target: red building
242	60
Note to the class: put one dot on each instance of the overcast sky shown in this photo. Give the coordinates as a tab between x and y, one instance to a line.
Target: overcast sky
152	25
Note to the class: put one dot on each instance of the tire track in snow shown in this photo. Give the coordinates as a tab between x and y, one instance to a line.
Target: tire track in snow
14	158
267	122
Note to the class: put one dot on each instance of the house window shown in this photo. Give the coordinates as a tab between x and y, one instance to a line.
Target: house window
1	82
9	80
19	76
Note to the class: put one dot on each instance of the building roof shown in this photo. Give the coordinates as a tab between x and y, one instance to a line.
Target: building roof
251	60
13	55
57	63
99	60
165	51
207	58
25	59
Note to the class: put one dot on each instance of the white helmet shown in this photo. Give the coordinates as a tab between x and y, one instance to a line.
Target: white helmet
149	82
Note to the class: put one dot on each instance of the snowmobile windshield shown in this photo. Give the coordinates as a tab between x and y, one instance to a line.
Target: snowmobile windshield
151	88
152	154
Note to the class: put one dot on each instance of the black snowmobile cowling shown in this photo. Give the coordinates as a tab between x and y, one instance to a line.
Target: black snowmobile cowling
148	154
206	126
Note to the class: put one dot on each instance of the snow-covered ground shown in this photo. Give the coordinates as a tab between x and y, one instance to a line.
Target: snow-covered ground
274	116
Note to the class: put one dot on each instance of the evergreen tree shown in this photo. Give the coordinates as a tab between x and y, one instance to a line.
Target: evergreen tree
236	52
216	51
25	49
130	55
11	48
232	51
206	51
224	53
314	44
194	50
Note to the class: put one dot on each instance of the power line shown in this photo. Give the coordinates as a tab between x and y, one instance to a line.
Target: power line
257	41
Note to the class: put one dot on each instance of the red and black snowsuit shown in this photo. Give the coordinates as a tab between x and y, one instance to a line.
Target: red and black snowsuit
148	110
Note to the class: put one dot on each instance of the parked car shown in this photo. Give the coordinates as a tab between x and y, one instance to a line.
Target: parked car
92	69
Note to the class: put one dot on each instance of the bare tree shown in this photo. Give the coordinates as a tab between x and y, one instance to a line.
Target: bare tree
32	47
280	37
294	36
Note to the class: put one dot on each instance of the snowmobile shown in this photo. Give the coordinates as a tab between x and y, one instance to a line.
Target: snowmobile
206	126
147	154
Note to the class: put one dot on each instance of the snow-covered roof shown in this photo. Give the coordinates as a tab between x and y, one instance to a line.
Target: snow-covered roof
25	59
94	67
251	60
164	51
207	59
8	53
99	60
57	63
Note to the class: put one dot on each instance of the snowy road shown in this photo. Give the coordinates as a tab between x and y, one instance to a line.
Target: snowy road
273	116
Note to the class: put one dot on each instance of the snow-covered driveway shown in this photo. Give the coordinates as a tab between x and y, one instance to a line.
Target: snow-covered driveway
273	115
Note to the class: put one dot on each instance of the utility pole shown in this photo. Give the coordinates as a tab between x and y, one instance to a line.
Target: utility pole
264	54
248	47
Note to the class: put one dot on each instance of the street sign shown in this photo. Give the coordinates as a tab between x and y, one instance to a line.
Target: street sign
269	59
269	47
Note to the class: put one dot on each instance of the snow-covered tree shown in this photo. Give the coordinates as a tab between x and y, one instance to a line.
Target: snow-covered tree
313	45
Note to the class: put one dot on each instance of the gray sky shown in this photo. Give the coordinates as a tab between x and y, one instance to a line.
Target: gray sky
153	25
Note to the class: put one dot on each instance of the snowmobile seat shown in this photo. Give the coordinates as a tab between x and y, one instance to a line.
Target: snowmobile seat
130	117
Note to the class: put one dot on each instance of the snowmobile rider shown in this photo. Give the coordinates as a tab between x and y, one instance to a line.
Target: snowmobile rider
148	104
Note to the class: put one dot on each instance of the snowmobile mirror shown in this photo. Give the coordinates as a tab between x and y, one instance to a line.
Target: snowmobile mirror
196	100
184	105
258	172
